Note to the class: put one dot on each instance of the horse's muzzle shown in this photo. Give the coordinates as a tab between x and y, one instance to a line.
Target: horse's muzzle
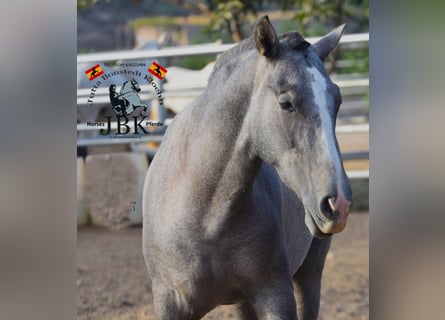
336	211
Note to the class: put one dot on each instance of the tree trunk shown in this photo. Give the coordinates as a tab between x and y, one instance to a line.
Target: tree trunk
338	20
236	29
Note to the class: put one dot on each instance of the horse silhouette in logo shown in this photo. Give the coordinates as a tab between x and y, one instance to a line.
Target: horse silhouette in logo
127	100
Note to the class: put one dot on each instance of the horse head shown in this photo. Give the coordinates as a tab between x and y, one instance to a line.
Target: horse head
135	85
297	104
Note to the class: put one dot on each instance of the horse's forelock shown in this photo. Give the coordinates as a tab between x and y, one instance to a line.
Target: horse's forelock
228	59
295	40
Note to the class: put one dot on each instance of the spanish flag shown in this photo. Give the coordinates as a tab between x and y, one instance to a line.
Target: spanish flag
157	70
94	72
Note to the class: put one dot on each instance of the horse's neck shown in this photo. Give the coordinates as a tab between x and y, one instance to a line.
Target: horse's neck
126	86
222	163
220	176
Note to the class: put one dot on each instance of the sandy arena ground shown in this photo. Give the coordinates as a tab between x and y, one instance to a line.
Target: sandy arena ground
112	280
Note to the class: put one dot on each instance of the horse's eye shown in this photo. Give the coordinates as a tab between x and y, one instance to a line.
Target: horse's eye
285	102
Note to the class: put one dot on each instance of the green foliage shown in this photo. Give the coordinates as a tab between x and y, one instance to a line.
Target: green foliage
230	17
161	21
360	194
324	12
363	4
358	60
311	15
82	4
82	50
308	11
286	26
205	38
196	62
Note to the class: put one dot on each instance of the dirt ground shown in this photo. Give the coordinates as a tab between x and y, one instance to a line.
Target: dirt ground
112	280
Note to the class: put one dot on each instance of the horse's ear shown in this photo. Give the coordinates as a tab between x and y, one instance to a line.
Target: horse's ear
266	39
328	43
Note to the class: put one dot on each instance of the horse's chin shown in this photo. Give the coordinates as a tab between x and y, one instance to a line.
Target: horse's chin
313	228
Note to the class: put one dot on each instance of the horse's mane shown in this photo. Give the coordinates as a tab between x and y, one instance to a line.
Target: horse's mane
228	59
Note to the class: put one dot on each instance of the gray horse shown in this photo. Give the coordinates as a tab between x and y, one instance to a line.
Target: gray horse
248	186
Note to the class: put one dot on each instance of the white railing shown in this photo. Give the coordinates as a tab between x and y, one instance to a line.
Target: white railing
189	50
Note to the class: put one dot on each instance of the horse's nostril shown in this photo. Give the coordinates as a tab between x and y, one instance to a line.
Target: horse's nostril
326	206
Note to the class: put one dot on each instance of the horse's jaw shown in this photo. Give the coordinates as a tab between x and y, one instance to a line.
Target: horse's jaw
313	227
321	220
